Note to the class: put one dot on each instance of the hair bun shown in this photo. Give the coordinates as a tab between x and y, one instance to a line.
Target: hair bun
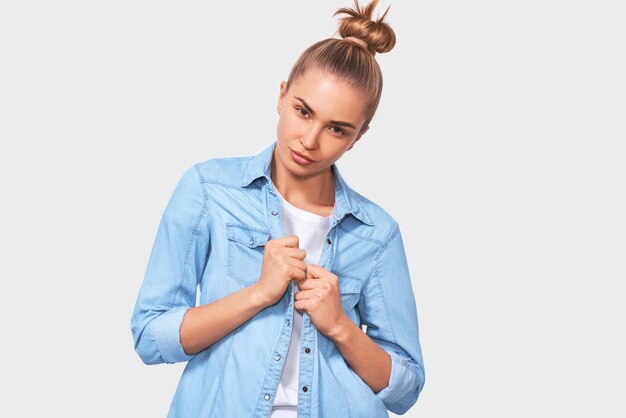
376	33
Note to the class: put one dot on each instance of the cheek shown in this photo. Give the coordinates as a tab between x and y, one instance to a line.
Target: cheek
282	127
338	151
290	125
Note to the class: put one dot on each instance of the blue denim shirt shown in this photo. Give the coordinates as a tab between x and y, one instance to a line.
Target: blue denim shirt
211	239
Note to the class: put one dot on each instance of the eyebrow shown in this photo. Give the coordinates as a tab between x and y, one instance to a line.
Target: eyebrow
333	122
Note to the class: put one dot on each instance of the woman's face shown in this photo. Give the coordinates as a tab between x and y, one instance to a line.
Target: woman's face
321	118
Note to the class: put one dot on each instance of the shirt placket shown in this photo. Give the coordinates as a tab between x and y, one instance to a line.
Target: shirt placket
309	342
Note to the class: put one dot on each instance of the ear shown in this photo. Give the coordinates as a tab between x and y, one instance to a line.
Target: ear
359	137
281	94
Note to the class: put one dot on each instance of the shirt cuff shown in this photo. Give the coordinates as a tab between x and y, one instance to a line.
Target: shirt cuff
401	381
166	332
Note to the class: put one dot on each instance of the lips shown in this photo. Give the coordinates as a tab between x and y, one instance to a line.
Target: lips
301	156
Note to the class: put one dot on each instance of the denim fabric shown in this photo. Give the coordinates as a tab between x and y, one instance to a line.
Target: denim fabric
211	239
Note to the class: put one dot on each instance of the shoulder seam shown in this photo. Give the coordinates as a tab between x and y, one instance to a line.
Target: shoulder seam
362	237
194	236
220	182
394	233
202	181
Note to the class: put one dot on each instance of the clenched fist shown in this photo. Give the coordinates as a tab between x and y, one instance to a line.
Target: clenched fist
283	261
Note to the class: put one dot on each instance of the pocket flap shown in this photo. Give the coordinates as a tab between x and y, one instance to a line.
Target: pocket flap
248	236
348	284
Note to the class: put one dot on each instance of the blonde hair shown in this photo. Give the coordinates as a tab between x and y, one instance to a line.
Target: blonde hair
348	60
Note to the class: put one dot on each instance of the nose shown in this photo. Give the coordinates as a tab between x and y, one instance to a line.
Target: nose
311	137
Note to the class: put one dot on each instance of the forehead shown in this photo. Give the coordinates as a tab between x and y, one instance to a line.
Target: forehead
329	96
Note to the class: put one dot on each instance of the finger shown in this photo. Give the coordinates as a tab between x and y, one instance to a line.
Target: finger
295	263
288	241
301	305
307	283
297	307
297	253
309	294
297	274
323	285
300	283
313	271
320	273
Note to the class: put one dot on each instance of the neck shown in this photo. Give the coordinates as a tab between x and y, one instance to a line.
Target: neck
315	192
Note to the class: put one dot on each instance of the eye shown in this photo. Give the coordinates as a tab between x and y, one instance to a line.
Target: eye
298	109
338	131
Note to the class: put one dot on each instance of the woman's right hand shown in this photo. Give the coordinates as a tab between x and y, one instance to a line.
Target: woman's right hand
283	261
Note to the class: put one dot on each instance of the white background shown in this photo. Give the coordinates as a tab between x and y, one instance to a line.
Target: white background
501	129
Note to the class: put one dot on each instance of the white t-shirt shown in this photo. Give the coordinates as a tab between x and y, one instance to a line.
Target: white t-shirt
311	230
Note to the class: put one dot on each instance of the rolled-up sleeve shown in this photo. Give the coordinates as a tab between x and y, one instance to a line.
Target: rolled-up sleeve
388	308
175	266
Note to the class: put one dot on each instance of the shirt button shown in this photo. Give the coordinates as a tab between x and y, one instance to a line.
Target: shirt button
251	241
304	389
328	240
287	321
267	397
307	350
277	357
274	212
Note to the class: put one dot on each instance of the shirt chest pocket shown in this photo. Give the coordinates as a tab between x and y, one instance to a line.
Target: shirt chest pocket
350	289
246	246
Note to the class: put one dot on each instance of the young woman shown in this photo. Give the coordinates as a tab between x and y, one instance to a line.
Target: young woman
290	262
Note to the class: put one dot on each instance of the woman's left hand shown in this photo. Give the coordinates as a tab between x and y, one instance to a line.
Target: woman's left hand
319	296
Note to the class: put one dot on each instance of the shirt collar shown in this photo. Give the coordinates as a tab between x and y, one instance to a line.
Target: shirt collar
346	200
